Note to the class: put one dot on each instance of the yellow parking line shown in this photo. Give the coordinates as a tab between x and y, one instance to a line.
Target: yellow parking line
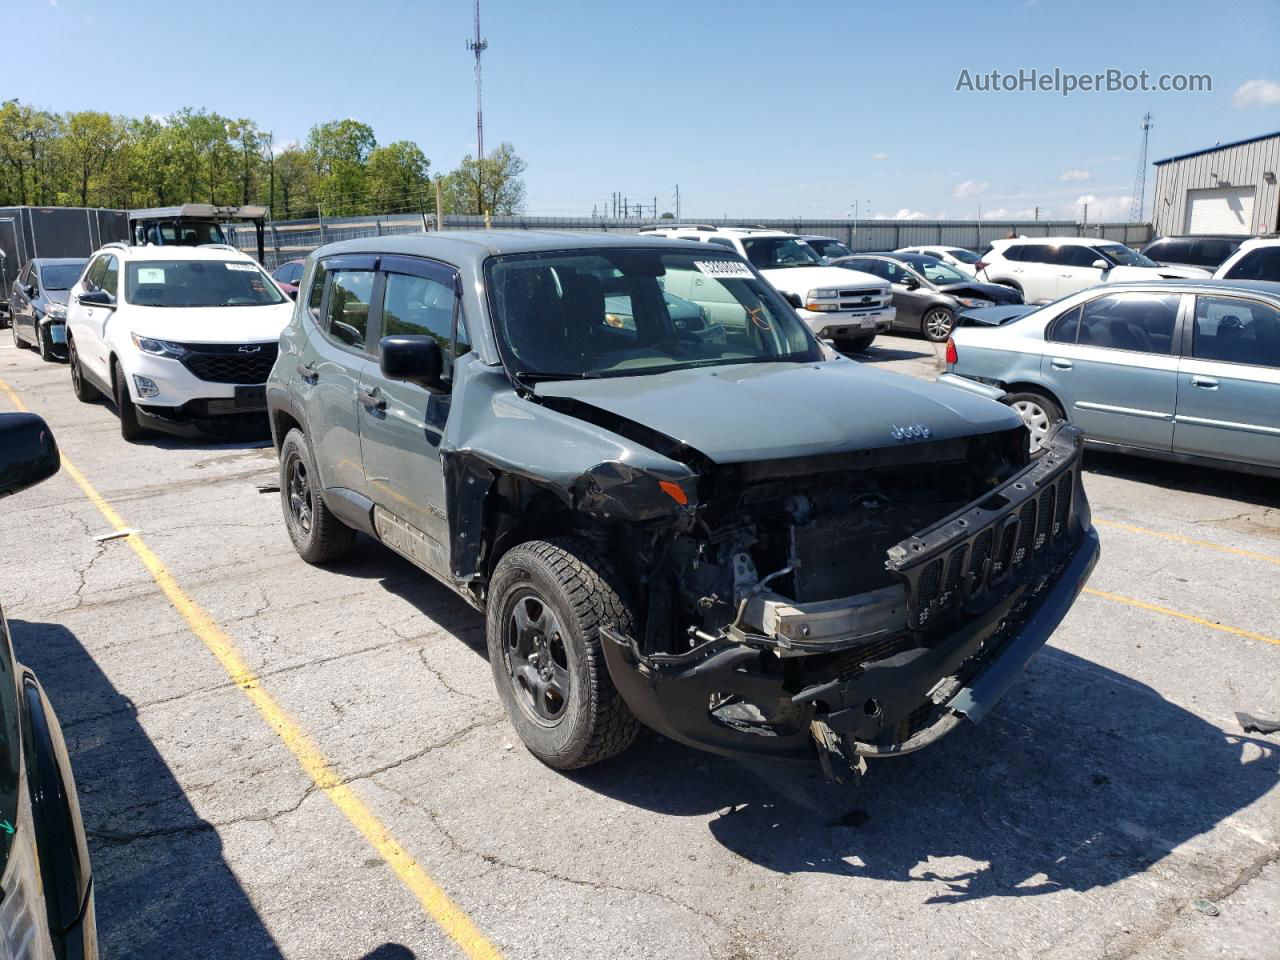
1178	538
1191	618
318	767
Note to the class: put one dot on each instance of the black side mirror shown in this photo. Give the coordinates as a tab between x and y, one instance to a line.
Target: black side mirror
97	298
910	282
29	452
794	300
32	290
414	359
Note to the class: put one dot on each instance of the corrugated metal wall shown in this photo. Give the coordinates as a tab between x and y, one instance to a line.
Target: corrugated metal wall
293	239
1245	165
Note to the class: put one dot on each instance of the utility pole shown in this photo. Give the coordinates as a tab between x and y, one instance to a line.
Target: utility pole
677	203
1037	213
1086	216
1140	180
479	45
439	206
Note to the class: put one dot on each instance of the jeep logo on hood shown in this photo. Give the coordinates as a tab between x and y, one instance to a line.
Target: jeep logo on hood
912	431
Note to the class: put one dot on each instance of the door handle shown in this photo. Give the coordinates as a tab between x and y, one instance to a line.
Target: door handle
1204	383
1060	363
308	372
371	398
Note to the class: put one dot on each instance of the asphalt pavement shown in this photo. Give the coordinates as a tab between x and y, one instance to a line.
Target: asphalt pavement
276	760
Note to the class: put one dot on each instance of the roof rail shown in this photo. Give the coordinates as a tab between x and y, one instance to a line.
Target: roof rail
114	243
678	226
219	246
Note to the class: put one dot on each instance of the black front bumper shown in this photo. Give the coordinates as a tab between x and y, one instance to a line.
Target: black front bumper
221	417
985	589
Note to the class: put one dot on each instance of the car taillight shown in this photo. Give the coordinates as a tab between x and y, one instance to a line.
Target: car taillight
951	352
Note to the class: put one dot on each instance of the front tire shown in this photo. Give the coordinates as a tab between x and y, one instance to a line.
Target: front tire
937	324
855	344
317	534
1039	413
547	602
44	345
85	392
130	428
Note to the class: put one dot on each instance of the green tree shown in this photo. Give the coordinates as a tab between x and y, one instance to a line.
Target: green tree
28	151
339	152
89	144
246	140
492	186
293	169
398	178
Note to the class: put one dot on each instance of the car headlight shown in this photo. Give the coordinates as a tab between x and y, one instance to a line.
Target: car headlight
822	294
160	348
971	302
56	311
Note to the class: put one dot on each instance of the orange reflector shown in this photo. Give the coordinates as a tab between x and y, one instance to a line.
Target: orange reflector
673	491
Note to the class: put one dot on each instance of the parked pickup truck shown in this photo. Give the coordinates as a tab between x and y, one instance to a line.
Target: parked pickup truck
703	527
848	308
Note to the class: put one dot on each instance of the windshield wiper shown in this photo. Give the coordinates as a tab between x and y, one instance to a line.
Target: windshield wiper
525	378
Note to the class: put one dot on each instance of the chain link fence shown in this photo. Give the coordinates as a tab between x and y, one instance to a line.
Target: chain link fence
294	239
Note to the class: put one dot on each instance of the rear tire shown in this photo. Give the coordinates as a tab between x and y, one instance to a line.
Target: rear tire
130	428
1039	412
85	391
855	344
547	602
937	324
317	535
17	340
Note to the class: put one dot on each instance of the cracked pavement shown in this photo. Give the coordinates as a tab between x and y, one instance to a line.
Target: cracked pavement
1110	791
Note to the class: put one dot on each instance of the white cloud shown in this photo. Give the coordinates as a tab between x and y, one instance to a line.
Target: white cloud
1003	213
903	214
970	188
1074	175
880	156
1102	208
1257	93
280	146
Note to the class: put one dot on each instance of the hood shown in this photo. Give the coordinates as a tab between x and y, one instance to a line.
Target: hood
801	280
211	324
995	292
768	411
58	296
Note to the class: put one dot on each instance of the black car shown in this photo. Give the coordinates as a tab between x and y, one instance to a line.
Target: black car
1206	250
928	294
38	304
46	894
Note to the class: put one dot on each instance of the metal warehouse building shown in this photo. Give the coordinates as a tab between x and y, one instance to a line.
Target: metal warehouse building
1230	188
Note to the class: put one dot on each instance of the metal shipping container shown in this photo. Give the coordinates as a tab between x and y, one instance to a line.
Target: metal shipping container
27	232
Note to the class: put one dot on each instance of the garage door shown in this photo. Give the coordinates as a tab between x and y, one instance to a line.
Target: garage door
1220	210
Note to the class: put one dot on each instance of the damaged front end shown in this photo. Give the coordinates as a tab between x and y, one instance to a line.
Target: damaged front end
860	603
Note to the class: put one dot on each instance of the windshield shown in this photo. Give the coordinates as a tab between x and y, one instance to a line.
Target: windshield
831	248
1124	256
622	312
199	283
776	253
60	276
935	271
180	233
964	256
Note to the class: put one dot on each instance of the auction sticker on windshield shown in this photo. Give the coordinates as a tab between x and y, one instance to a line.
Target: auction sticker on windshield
724	269
246	267
148	275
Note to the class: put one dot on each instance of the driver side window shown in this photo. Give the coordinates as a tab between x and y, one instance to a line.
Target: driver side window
346	320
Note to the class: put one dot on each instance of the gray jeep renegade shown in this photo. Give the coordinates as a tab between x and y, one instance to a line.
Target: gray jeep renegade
674	506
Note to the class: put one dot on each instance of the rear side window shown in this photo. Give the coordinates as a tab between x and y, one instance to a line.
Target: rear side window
1142	322
347	313
1236	331
1261	264
1065	328
1168	251
1073	256
1013	252
1037	253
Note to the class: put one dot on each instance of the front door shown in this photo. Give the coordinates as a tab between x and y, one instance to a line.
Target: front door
1118	373
327	378
1076	270
1229	387
402	424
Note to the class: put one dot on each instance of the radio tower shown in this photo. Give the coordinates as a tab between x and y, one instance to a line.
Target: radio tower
1139	182
479	46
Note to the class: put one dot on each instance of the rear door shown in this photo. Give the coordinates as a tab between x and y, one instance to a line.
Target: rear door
330	364
1229	382
402	424
1117	369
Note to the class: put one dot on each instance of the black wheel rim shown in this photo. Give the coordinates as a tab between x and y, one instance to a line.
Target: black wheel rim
298	494
536	658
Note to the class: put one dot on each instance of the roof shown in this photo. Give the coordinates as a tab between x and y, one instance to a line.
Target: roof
51	261
206	211
1265	287
216	252
473	247
1056	241
1216	147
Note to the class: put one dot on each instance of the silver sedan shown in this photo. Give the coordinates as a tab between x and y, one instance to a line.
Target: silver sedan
1177	369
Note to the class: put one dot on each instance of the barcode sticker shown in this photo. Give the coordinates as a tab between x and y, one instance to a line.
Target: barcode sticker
246	267
724	269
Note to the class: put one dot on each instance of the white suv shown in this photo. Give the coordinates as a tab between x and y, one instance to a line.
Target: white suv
845	306
1047	268
181	338
1257	259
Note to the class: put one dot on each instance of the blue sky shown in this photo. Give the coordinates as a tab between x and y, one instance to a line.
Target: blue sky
753	108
